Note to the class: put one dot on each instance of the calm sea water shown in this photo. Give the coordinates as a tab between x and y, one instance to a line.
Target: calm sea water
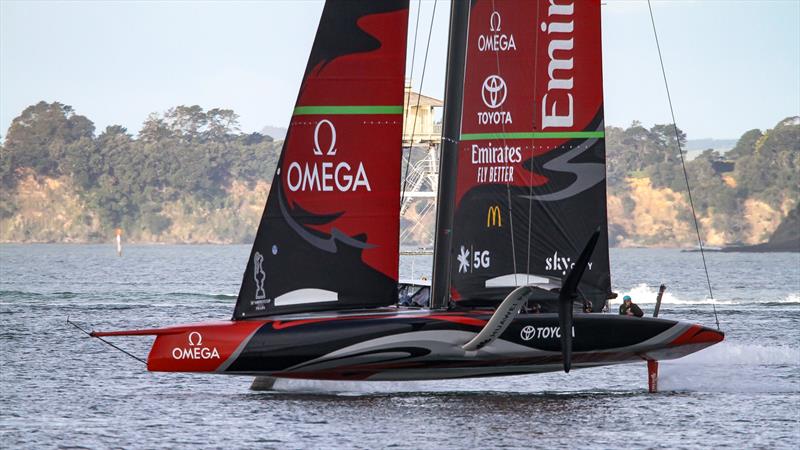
58	388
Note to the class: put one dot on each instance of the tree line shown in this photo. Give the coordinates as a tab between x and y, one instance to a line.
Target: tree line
185	151
764	165
191	152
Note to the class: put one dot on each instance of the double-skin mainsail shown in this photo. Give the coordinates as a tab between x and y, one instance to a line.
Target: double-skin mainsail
528	181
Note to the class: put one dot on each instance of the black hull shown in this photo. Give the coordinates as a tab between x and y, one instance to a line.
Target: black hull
396	344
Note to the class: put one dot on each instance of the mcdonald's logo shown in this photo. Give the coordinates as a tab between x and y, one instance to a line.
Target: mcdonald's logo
494	218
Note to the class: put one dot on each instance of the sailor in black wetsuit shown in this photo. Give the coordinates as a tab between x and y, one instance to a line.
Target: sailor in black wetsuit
628	308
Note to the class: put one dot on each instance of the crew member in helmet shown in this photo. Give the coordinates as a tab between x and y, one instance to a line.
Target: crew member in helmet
628	308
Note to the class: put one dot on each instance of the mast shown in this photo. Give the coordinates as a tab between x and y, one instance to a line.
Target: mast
448	164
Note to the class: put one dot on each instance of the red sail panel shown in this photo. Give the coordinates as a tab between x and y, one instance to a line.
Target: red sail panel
531	163
328	238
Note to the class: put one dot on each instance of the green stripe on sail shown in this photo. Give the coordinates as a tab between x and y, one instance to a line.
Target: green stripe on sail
341	109
535	135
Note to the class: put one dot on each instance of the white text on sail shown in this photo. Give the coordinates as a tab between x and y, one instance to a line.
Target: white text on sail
560	32
326	176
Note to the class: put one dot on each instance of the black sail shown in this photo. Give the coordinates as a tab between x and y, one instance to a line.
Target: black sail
531	184
328	237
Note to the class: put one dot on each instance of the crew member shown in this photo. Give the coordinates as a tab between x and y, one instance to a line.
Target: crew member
422	297
534	308
628	308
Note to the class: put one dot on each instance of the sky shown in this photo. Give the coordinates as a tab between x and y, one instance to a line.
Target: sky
732	65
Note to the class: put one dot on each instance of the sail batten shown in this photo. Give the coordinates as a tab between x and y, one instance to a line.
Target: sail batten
534	135
348	109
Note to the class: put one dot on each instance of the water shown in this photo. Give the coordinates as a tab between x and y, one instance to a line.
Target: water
60	388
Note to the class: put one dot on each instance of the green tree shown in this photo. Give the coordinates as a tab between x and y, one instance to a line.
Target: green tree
221	124
746	144
768	165
186	154
38	138
186	122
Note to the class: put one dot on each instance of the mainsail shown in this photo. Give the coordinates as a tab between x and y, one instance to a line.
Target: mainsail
328	237
530	186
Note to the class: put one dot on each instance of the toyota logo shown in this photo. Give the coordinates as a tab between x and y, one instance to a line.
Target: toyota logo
494	91
527	333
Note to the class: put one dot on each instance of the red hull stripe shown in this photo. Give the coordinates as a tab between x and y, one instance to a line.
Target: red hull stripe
697	335
279	324
460	319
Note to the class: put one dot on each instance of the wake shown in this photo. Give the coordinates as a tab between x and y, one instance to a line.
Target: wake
732	367
645	294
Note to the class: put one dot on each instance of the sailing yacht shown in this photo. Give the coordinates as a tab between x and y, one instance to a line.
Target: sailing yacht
521	216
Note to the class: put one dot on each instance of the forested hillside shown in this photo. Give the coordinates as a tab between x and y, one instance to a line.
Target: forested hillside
740	197
190	175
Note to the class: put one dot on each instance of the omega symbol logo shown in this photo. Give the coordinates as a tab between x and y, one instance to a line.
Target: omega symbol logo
527	333
494	21
494	91
195	339
332	148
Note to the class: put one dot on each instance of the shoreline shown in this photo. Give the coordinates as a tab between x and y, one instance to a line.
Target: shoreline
758	248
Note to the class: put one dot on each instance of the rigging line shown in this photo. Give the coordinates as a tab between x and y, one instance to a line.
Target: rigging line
533	149
508	183
413	56
419	97
106	342
683	165
408	100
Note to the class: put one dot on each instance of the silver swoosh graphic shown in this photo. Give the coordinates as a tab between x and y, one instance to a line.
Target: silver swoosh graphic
587	174
324	244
